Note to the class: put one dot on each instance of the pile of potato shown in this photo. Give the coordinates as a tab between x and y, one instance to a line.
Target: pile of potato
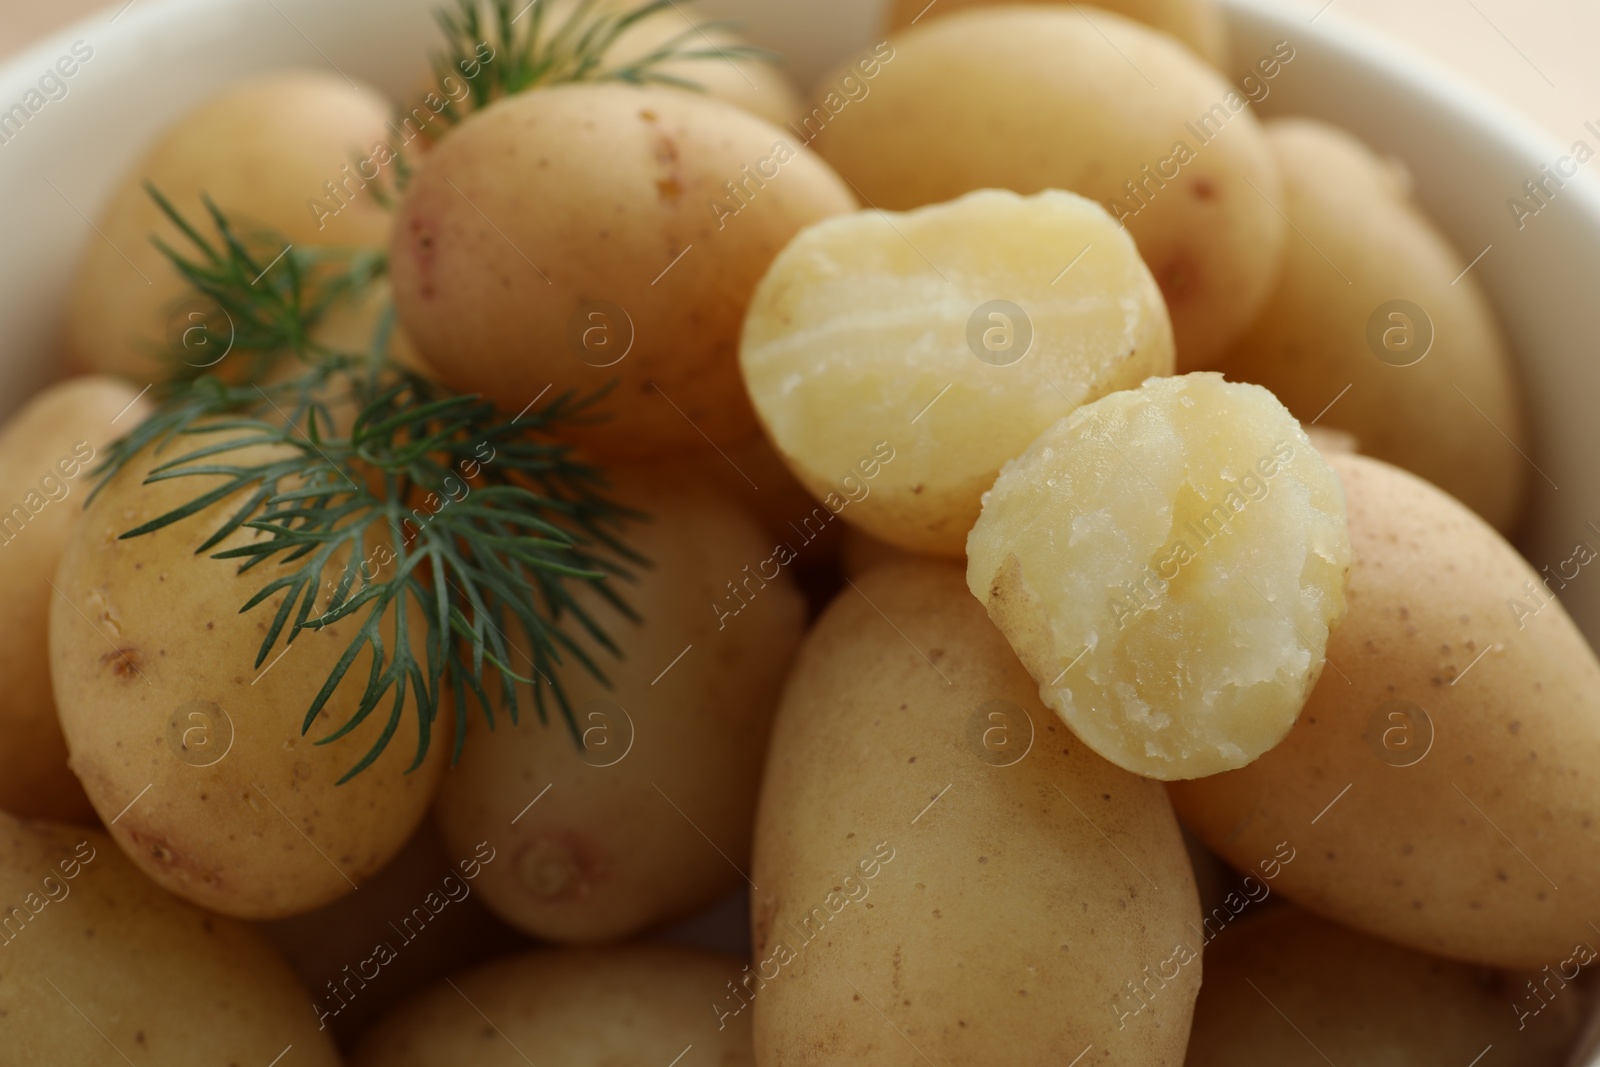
1071	528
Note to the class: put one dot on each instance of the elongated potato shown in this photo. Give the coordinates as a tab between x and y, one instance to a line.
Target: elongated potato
1197	23
1372	310
46	452
956	334
627	255
1444	777
1104	107
1292	990
641	1004
651	818
937	856
262	151
194	755
103	967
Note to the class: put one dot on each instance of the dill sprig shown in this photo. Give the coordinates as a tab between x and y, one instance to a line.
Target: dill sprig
483	524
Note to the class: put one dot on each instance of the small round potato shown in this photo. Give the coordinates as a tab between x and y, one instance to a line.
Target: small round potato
955	333
262	151
937	856
1168	561
589	234
194	754
1443	779
1036	97
650	818
1374	327
46	452
102	966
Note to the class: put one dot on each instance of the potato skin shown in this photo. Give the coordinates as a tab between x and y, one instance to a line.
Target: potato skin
619	844
161	980
962	891
262	150
59	431
638	1004
505	249
144	637
1420	849
1067	111
1310	342
1355	999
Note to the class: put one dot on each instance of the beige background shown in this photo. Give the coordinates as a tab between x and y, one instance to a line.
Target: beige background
1537	54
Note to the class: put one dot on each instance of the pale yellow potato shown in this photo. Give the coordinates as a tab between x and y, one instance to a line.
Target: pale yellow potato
1039	97
1167	562
193	754
46	452
103	968
933	845
1290	989
954	335
589	234
263	151
1197	23
1444	777
638	1004
1424	386
651	818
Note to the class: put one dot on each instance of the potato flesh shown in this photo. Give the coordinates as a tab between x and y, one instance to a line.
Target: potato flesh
1168	563
863	322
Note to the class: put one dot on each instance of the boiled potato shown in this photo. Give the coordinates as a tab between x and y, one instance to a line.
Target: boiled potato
1197	23
1373	316
46	452
105	968
1292	990
651	818
1075	105
629	255
263	151
957	334
643	1004
1444	777
1180	625
933	846
196	757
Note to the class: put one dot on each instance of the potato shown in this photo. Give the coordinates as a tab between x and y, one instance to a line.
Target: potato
651	818
627	256
1374	327
955	334
1197	23
1075	105
263	151
1444	777
1289	989
643	1004
196	757
103	967
942	869
46	452
1168	561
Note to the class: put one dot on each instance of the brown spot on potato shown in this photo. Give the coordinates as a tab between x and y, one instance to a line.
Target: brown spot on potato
124	662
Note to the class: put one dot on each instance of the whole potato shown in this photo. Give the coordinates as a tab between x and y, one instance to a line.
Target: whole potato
103	967
46	452
629	255
640	1004
1075	105
262	151
1197	23
1443	779
195	756
1372	289
651	818
942	869
1293	990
